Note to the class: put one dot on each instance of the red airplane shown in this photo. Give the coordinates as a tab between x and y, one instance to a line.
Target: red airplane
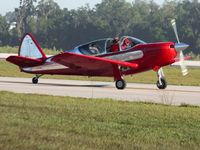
105	57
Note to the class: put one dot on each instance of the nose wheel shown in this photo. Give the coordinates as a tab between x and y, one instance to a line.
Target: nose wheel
161	83
120	84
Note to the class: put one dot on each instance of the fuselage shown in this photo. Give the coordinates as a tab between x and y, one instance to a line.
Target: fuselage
148	56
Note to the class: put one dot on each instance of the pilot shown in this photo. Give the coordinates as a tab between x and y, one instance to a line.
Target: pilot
126	44
93	48
115	45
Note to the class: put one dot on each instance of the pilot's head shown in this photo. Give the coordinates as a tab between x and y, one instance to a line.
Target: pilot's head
116	39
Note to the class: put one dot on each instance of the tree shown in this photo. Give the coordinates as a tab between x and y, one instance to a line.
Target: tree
25	12
188	24
48	14
63	29
4	34
113	16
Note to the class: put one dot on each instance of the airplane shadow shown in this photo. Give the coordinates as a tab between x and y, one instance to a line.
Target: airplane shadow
57	84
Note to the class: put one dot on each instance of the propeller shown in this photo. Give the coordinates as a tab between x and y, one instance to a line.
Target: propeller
179	48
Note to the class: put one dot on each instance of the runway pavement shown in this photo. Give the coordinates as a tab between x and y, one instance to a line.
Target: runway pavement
175	95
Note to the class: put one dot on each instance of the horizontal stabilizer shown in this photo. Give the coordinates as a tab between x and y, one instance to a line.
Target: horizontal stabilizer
24	61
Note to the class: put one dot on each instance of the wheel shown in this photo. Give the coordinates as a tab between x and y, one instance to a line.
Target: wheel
120	84
163	84
35	80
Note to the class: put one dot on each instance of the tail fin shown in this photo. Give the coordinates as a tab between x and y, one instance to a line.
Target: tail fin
30	48
30	53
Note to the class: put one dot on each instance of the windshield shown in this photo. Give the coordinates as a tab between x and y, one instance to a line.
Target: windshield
104	46
93	48
127	42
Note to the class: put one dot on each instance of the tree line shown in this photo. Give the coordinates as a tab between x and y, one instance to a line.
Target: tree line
63	29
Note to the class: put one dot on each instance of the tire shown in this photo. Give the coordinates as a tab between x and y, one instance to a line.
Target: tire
35	80
120	84
163	84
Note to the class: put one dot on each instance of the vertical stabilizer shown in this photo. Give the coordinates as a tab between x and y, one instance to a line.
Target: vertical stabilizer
30	48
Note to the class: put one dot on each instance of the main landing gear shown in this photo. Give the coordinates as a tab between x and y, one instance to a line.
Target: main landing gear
35	79
161	83
119	82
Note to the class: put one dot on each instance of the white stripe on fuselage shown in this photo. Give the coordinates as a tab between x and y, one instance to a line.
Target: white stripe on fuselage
47	66
128	56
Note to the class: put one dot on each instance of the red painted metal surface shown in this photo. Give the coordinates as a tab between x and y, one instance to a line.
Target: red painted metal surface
25	61
155	55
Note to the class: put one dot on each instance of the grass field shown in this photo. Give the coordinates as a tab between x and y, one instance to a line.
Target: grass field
8	49
173	75
47	122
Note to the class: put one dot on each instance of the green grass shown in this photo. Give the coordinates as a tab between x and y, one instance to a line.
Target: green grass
47	122
8	49
173	75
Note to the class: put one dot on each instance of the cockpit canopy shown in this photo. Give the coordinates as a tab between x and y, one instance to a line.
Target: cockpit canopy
103	46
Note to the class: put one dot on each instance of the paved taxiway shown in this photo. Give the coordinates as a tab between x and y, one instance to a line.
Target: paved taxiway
93	89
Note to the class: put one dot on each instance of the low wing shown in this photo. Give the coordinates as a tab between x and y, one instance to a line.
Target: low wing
73	60
24	61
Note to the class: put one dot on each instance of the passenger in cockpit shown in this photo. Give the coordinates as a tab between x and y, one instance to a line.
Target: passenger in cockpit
126	44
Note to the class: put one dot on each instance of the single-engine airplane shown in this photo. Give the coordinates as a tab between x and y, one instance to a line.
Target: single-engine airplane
105	57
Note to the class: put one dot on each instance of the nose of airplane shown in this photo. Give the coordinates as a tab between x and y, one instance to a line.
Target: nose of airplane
180	46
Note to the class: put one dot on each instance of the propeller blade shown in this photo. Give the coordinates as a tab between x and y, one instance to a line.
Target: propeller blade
182	64
173	22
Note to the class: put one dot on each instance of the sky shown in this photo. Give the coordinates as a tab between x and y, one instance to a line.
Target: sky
10	5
